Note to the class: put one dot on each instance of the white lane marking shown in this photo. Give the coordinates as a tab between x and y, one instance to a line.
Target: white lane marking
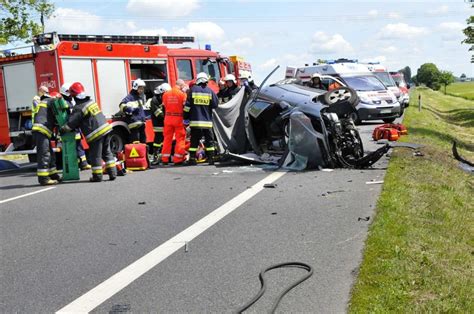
27	194
93	298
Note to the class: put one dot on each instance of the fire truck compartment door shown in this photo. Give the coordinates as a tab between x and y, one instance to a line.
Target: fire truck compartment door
79	70
20	85
112	85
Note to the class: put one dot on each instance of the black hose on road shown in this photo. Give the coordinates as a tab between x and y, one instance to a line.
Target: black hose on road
281	295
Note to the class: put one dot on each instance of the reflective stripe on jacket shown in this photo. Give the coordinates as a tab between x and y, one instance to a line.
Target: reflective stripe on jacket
199	105
87	115
44	120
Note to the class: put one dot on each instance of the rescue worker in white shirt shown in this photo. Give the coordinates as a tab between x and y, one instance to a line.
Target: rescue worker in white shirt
43	126
132	106
42	90
200	102
230	90
87	115
81	153
157	118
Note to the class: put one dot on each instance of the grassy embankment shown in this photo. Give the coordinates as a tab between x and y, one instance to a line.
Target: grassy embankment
419	254
461	89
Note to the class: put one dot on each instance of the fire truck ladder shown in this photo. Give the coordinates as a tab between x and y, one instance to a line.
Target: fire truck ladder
145	40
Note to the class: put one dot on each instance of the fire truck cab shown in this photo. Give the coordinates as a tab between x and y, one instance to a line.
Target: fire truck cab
106	66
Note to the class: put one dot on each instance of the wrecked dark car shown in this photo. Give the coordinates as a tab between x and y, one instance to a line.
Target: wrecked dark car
295	127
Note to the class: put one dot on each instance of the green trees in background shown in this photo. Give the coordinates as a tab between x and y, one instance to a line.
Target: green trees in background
22	19
429	75
469	32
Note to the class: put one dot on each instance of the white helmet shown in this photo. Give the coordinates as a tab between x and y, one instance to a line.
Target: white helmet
230	77
44	89
316	75
202	78
64	89
138	83
163	88
246	76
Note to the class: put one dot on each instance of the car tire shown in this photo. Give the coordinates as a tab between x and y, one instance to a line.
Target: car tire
389	120
341	94
402	110
117	140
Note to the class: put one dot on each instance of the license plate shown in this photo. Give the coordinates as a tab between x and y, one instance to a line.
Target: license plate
386	111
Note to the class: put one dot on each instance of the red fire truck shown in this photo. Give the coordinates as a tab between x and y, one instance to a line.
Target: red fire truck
106	66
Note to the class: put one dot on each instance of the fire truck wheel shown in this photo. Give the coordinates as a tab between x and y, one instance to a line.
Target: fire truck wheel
117	140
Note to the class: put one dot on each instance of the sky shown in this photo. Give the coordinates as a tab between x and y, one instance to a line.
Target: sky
289	33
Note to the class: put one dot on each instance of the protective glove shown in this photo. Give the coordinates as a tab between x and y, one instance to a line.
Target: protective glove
65	129
185	122
128	111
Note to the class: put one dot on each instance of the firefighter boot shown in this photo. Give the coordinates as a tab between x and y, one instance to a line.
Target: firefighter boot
112	172
96	178
47	181
83	165
192	162
56	177
156	156
210	157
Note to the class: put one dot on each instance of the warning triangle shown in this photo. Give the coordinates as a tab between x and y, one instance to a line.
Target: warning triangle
133	153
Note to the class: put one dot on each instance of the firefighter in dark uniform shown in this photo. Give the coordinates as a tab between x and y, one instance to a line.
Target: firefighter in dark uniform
43	127
200	102
248	83
230	90
132	106
42	90
81	153
157	118
87	115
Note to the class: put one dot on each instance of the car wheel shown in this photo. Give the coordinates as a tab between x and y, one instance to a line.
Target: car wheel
340	94
388	120
117	141
355	117
402	110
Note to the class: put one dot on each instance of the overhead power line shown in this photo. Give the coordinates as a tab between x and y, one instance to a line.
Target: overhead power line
256	19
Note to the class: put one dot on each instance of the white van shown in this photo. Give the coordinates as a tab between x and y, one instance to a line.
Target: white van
377	102
382	74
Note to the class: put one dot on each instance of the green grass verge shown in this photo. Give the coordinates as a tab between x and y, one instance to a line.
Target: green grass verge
419	254
461	89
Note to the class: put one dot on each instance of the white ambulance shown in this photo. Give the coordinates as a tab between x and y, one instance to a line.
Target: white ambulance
376	101
380	71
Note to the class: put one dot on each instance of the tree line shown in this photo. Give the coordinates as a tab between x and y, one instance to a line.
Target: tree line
428	74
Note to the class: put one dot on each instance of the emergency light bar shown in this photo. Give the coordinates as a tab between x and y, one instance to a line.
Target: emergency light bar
340	60
146	40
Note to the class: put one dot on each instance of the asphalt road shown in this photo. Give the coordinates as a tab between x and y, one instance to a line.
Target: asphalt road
60	243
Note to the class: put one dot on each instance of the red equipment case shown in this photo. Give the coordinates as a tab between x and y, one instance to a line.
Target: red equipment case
136	156
382	132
